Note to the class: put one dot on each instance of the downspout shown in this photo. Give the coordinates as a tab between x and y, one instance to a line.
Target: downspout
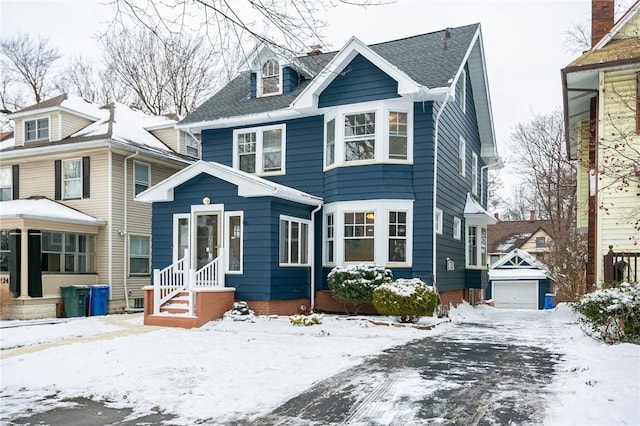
124	235
447	96
110	225
313	257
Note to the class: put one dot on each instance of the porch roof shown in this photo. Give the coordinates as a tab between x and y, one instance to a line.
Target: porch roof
46	210
248	185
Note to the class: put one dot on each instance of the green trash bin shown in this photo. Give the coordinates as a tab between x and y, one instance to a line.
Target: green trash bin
75	298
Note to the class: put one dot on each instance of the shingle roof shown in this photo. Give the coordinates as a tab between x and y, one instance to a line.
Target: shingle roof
505	236
431	60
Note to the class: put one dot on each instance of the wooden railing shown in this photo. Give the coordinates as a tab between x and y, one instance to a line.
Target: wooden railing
209	275
620	267
169	281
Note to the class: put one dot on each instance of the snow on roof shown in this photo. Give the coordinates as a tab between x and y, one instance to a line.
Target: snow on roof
476	214
83	106
517	274
45	209
7	143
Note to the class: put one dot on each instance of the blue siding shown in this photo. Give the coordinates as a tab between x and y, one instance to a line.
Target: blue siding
360	81
374	181
290	80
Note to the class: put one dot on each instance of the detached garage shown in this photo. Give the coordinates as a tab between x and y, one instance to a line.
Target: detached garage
518	281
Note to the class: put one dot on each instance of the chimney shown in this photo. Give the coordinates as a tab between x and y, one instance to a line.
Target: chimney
602	19
532	215
496	215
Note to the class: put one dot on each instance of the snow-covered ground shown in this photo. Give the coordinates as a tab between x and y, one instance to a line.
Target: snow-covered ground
241	370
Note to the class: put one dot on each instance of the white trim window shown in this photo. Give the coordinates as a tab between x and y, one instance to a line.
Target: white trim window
234	232
270	78
181	232
457	228
139	255
141	177
462	155
6	183
294	241
438	221
72	179
463	90
476	246
191	145
377	232
367	133
260	150
36	129
474	173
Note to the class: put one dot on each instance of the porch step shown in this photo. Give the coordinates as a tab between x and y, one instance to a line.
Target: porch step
177	305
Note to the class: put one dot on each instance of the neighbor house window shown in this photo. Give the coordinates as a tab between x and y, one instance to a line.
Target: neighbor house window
294	241
360	136
457	228
462	153
67	252
398	135
72	179
476	246
35	130
260	150
140	177
234	241
5	251
359	234
397	236
540	242
139	255
474	173
370	231
438	221
271	77
6	183
192	146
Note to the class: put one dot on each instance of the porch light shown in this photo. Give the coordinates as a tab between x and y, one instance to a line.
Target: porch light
206	201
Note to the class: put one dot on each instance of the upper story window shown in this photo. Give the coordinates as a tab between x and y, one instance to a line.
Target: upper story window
457	228
462	155
474	173
438	221
373	132
192	146
6	183
270	78
36	129
141	177
72	179
541	242
260	150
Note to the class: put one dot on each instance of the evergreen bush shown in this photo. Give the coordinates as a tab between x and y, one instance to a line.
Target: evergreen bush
612	314
354	284
405	299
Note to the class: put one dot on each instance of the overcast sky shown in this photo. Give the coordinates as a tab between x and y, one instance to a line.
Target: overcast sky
523	40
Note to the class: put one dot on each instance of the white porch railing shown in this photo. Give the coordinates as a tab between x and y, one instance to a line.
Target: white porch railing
177	277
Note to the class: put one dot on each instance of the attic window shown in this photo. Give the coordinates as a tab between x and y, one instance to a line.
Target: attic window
36	130
271	77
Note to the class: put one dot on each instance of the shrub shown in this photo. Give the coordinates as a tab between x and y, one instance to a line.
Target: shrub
305	320
407	300
354	284
612	314
6	300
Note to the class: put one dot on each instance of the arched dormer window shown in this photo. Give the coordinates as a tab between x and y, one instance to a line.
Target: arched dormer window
270	77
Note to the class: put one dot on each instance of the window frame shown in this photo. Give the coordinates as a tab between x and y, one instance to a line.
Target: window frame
4	187
381	209
463	90
228	232
64	179
5	251
139	256
541	242
89	254
37	130
261	76
457	228
304	258
382	111
259	151
135	180
462	156
438	220
480	236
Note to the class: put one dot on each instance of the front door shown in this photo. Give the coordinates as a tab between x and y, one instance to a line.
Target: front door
207	238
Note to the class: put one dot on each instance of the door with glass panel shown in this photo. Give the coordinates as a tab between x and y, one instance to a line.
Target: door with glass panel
207	238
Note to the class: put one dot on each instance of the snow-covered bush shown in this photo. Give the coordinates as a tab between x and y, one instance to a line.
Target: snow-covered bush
354	284
612	314
305	320
406	299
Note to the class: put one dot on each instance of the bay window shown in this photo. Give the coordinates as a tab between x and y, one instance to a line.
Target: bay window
476	246
397	236
398	135
260	150
360	136
359	232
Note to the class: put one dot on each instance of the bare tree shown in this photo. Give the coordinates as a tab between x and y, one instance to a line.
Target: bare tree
519	203
90	80
30	61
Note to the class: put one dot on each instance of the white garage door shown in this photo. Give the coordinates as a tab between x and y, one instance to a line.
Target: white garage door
515	294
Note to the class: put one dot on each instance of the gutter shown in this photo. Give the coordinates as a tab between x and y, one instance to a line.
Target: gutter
124	233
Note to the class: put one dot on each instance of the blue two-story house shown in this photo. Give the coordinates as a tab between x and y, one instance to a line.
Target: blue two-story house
372	154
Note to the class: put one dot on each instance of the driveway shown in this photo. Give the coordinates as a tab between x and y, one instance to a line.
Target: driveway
477	373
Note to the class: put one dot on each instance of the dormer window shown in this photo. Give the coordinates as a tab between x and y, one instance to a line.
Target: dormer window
271	78
36	130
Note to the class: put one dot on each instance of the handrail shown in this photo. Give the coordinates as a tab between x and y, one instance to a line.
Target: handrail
208	275
621	266
168	282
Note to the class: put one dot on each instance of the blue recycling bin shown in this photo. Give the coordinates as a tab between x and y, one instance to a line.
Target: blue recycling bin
98	296
548	301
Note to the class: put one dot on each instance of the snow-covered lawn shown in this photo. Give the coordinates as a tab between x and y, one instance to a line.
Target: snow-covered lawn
240	370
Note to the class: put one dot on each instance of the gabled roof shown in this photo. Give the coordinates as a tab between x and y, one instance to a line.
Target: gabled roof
518	265
45	209
68	103
505	236
248	185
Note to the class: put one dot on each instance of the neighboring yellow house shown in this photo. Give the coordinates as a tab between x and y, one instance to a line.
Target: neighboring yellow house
68	214
601	94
